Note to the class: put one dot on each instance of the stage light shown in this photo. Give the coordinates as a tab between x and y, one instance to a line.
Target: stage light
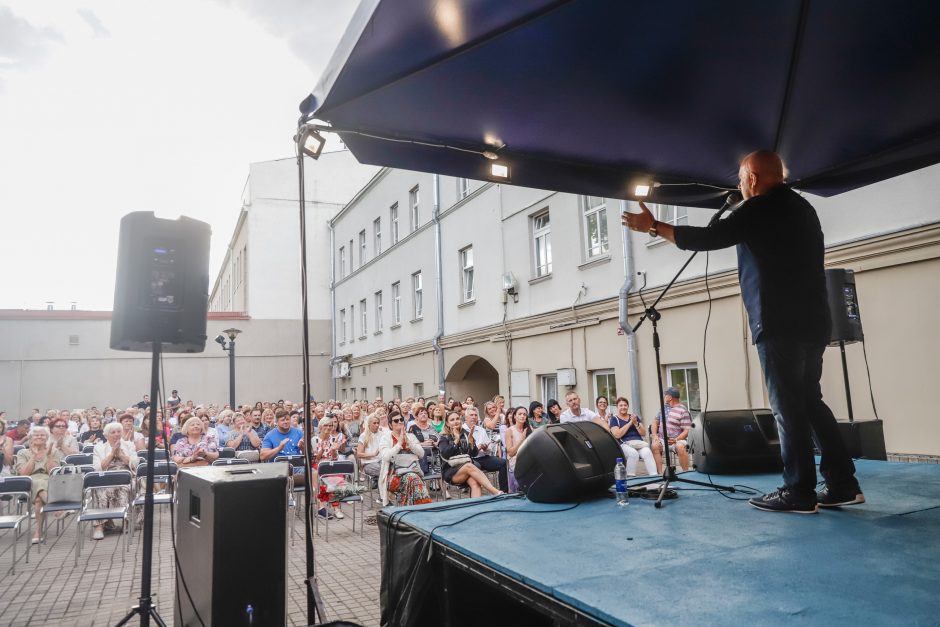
489	154
642	191
310	140
500	171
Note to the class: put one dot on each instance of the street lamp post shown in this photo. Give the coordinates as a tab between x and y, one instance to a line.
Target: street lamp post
230	348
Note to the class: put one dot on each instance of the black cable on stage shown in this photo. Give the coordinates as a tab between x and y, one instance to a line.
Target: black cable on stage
171	483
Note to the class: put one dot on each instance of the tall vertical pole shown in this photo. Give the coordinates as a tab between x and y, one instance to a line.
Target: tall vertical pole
231	374
845	376
145	600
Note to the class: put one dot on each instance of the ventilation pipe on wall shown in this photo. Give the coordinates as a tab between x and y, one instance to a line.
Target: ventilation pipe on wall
629	276
439	280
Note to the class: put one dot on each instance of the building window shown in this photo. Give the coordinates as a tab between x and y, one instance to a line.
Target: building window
362	247
378	392
463	188
352	256
414	202
549	385
377	236
378	311
393	223
685	378
605	384
417	290
364	325
342	325
542	244
396	302
365	394
396	392
594	212
342	261
671	214
352	322
466	274
244	263
419	390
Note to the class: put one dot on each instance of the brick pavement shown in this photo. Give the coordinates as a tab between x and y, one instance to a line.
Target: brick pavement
50	590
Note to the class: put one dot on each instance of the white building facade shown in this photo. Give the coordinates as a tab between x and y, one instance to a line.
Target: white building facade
562	256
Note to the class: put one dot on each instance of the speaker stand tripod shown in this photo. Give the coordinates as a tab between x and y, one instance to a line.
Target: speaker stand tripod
145	607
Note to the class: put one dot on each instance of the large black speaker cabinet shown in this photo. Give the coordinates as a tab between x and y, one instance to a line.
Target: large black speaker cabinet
843	306
566	462
231	536
736	441
162	287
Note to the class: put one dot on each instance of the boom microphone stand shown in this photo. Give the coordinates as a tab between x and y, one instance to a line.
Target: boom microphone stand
652	314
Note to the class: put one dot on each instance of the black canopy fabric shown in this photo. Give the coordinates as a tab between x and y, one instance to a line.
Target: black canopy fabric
591	96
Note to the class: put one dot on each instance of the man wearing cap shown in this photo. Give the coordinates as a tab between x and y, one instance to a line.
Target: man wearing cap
678	423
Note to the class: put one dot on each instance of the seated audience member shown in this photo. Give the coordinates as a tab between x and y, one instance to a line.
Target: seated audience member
196	448
129	434
113	453
326	446
537	415
107	416
367	450
36	461
485	459
516	434
94	433
427	437
19	433
494	428
269	419
554	411
256	423
183	416
576	413
603	406
678	423
60	438
396	484
242	437
455	441
629	431
437	412
6	451
224	422
284	440
75	424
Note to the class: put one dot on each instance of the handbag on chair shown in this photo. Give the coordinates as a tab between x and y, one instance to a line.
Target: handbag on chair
406	462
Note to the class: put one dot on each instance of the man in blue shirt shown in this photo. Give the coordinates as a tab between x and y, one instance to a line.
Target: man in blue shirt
284	440
781	252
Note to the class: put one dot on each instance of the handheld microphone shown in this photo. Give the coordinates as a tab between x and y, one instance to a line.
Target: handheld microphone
733	201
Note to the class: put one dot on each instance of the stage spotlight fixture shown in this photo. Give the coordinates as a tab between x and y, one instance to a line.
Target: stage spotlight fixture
489	154
220	339
500	171
642	191
311	142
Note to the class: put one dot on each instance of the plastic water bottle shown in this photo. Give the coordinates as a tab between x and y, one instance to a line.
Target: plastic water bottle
620	478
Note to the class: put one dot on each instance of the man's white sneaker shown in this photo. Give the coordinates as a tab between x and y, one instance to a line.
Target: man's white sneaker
339	513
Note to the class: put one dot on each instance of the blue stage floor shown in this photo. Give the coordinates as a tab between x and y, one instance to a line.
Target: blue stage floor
705	560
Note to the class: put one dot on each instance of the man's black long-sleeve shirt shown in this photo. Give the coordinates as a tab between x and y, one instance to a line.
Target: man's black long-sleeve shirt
781	255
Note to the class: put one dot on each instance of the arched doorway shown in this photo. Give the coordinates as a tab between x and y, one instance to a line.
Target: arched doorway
474	376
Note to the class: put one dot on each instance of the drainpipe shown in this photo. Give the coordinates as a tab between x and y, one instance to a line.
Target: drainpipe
332	307
629	274
439	262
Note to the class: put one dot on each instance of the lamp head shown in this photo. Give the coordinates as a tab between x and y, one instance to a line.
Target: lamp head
232	333
310	140
220	339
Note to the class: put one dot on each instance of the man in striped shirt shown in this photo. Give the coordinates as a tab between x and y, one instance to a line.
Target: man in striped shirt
678	423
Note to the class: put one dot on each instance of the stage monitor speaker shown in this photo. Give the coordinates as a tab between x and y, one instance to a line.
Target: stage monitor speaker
161	291
736	441
843	306
231	537
566	462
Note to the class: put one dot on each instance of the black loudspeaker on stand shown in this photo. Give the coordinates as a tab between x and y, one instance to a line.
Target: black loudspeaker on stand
565	462
160	304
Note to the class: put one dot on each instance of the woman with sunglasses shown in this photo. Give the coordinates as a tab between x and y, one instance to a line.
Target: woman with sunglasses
406	488
61	439
455	441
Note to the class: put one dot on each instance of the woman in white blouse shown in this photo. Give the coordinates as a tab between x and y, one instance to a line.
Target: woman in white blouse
115	453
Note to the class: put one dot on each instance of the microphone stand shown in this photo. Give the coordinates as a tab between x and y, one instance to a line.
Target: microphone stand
652	314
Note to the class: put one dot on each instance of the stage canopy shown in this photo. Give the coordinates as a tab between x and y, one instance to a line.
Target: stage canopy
591	96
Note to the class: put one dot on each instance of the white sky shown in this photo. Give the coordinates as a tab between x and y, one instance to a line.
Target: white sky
114	106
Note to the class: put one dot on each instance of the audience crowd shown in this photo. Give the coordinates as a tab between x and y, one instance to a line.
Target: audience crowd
403	447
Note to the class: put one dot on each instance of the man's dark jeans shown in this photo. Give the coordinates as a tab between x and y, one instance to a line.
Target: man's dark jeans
491	463
791	371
